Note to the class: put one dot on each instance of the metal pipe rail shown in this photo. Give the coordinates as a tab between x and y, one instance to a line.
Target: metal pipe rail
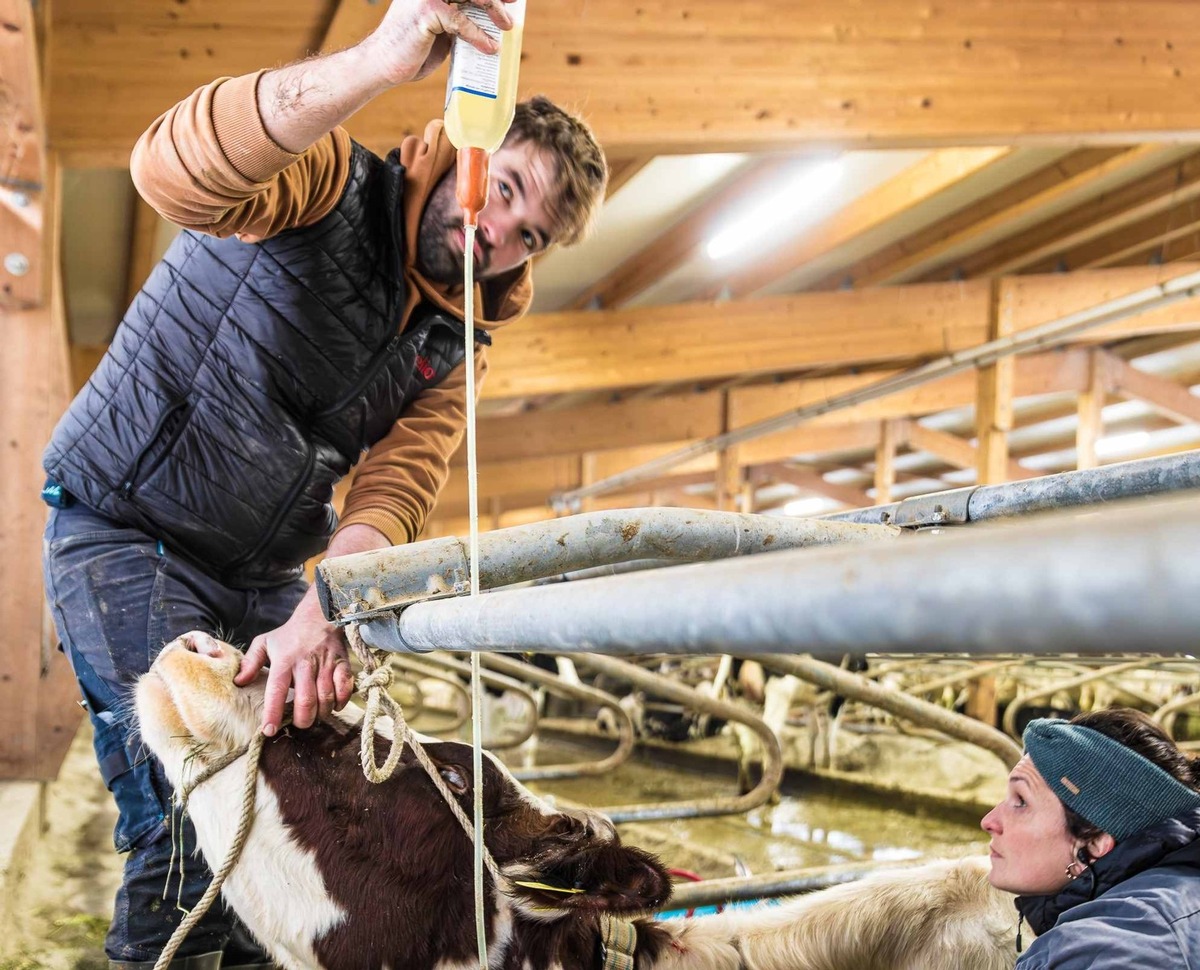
1009	722
913	709
581	692
1121	582
659	686
1091	486
715	892
356	587
429	665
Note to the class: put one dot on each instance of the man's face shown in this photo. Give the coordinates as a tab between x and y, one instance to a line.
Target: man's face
513	226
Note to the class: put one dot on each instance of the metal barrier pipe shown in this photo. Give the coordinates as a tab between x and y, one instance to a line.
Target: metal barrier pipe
431	666
1165	715
352	588
664	687
1091	486
913	709
583	692
1010	712
1121	582
714	892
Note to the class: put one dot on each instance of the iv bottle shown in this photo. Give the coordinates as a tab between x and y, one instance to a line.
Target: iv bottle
481	92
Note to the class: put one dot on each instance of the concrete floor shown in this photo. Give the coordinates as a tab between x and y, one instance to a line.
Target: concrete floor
58	869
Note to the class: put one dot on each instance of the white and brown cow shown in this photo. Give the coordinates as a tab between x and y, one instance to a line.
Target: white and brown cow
338	873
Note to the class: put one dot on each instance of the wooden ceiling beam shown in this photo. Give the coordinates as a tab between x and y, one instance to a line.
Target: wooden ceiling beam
1093	168
1166	188
809	480
1165	396
1114	248
682	240
558	353
661	78
601	427
916	185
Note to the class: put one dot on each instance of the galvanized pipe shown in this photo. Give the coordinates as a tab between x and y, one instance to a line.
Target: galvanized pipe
664	687
1121	582
352	588
715	892
920	712
577	692
1091	486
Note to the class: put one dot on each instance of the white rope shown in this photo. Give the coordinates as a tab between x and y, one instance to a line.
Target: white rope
249	788
373	681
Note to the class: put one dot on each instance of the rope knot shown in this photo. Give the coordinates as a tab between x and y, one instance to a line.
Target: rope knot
380	677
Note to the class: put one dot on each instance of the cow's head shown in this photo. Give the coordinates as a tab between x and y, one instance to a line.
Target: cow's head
374	851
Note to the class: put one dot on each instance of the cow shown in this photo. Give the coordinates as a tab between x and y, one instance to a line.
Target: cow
338	873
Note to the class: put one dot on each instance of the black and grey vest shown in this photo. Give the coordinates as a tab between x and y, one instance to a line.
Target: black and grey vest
246	379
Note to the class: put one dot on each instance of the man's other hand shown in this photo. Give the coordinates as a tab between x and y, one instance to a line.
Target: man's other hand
307	654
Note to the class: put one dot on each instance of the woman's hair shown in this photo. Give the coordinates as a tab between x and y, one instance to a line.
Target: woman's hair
581	172
1138	732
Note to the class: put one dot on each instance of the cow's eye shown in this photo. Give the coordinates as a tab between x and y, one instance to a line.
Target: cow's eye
455	778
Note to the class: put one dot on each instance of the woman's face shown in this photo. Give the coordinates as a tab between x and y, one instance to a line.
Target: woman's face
1031	846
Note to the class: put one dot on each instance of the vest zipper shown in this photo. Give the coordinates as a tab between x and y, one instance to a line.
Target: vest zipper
131	478
282	510
377	363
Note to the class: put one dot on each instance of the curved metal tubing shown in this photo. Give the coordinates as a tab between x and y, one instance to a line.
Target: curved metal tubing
352	588
1010	712
910	708
429	664
1165	715
664	687
455	719
580	692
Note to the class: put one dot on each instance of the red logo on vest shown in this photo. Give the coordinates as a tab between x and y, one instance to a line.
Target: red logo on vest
424	368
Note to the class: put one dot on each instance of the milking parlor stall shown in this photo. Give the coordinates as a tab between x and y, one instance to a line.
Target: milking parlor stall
859	432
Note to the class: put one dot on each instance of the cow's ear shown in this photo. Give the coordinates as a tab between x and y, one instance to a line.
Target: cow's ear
455	777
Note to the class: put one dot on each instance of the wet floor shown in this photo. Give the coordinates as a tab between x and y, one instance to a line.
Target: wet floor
65	899
805	828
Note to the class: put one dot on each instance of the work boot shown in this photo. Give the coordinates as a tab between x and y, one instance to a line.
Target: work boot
198	961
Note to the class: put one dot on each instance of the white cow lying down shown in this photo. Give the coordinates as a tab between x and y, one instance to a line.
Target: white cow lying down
341	874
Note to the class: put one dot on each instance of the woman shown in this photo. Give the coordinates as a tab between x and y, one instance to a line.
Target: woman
1100	838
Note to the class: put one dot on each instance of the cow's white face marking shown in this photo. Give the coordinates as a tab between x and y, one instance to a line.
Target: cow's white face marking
191	712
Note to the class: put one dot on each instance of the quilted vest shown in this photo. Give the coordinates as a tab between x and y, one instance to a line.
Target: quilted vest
246	379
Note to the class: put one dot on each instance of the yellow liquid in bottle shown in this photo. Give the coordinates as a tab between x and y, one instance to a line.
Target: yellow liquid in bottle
481	95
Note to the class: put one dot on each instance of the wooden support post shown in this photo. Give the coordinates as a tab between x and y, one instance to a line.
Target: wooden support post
1090	407
885	461
729	472
981	700
994	392
38	713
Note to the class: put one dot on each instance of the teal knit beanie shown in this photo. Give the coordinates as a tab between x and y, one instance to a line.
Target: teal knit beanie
1104	781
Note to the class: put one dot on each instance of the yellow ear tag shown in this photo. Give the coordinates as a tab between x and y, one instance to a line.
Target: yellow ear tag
542	885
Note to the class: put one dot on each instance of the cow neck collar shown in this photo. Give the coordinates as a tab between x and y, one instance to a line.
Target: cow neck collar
618	943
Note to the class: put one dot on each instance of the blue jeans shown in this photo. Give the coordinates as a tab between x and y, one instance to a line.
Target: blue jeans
117	597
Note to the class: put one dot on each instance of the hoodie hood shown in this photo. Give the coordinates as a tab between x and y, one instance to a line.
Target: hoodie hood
1174	841
498	301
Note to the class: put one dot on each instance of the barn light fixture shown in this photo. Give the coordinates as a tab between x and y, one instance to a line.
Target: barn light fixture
794	198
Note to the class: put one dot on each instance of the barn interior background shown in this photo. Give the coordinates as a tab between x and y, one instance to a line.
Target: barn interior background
801	205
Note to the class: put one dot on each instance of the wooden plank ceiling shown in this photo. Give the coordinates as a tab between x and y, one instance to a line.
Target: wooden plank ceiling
1051	160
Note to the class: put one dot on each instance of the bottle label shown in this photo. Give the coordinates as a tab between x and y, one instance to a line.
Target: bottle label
470	70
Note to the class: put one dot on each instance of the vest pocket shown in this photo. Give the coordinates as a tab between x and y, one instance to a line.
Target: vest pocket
161	440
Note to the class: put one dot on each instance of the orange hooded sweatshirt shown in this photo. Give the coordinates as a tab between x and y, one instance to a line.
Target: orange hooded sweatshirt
209	165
